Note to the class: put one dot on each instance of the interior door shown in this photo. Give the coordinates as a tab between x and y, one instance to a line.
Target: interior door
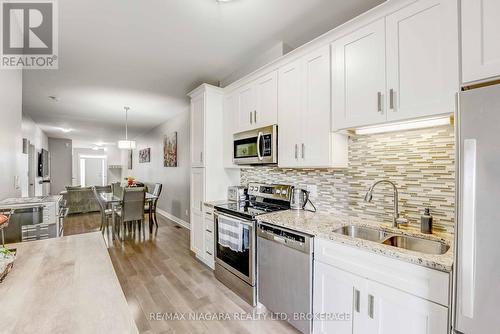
94	172
358	77
315	149
480	47
197	131
246	97
266	95
289	111
391	311
422	59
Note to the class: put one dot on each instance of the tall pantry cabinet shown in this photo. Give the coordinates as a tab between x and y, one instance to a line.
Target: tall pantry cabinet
209	179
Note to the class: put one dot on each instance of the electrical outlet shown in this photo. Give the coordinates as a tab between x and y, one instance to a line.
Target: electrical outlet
313	189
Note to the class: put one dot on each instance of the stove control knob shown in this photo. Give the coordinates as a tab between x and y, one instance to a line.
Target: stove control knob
278	191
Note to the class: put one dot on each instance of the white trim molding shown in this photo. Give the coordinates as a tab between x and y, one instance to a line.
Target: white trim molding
173	218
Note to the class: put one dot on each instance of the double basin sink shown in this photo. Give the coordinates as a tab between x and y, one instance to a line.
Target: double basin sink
401	241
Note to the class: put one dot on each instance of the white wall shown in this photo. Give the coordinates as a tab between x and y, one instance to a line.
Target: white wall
10	133
38	138
175	195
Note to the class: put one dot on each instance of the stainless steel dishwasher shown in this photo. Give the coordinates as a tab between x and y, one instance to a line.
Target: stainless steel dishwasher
285	273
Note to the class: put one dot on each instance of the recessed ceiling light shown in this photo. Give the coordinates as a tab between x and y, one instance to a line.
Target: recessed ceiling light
66	130
223	0
54	98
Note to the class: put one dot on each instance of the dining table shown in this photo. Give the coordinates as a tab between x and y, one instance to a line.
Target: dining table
115	201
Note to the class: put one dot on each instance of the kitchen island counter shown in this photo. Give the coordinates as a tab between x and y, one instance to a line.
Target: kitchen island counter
64	285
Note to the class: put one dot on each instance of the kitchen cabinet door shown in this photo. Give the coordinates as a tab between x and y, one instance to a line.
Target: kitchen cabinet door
480	46
246	99
315	146
196	220
358	77
391	311
230	113
422	60
336	292
266	95
289	114
196	234
197	189
197	131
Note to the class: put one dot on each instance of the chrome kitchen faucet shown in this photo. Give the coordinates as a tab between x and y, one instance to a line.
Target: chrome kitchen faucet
397	221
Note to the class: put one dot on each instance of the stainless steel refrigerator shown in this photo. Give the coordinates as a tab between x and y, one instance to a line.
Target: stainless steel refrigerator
477	280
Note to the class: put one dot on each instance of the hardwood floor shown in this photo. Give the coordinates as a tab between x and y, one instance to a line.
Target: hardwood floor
159	275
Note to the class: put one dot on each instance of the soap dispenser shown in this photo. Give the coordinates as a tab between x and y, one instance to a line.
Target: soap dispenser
426	222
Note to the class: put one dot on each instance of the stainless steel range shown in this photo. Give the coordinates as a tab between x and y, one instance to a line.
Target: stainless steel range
235	236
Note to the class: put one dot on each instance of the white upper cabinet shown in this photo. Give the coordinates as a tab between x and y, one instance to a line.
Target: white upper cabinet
358	77
305	138
231	105
480	40
289	113
422	60
266	90
197	130
401	67
246	107
258	103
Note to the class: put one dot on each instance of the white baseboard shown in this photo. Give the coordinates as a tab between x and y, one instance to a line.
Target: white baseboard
179	221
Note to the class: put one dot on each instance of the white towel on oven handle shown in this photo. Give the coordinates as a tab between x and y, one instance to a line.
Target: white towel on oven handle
230	234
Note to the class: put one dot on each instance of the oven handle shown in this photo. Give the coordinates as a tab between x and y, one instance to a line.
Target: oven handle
259	137
233	219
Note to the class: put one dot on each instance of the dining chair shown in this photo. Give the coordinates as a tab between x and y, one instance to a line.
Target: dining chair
156	192
132	208
105	212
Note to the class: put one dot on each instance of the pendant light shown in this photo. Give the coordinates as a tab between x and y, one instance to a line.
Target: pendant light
126	144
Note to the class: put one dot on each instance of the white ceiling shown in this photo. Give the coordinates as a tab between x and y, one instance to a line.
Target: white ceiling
148	54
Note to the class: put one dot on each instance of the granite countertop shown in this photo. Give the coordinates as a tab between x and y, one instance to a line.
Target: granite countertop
17	201
322	225
64	285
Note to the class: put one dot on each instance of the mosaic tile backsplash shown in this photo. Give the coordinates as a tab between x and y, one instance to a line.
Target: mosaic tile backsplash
421	162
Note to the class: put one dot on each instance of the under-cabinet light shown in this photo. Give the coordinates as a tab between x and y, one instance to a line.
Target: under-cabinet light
417	124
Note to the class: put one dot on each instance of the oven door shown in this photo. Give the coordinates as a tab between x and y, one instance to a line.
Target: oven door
256	146
235	246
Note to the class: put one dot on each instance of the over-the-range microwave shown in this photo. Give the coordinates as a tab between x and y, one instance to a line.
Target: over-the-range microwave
256	147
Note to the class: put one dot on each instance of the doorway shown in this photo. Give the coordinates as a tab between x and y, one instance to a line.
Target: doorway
93	171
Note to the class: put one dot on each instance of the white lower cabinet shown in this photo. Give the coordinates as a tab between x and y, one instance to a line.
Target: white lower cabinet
355	302
391	311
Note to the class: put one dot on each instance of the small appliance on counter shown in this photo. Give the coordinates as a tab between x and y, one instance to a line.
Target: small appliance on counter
237	193
300	199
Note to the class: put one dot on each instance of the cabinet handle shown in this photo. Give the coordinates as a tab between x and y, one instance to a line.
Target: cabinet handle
356	300
255	116
208	253
379	102
370	306
207	230
251	120
201	156
303	151
296	151
391	99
